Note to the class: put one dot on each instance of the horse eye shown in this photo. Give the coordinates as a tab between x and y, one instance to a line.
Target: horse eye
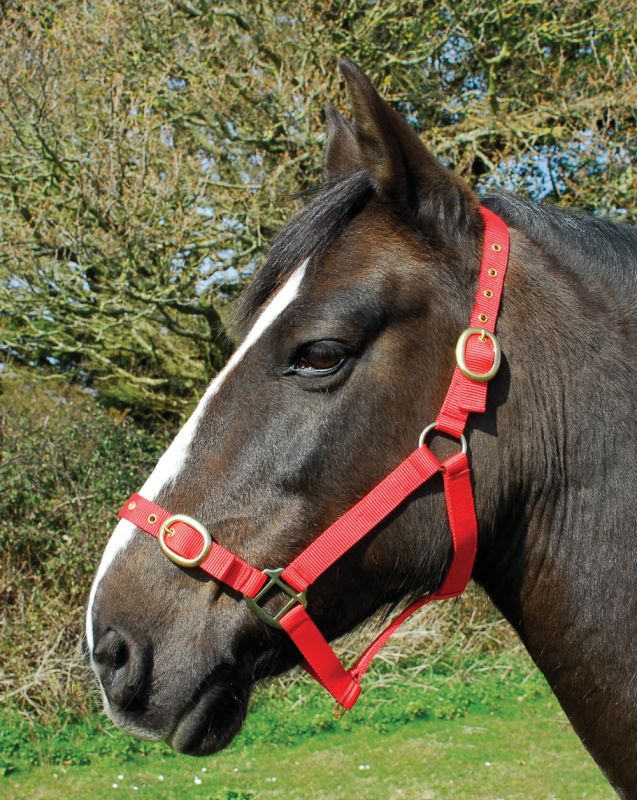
320	357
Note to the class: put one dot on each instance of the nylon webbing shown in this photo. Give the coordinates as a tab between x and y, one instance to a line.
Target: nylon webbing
186	541
464	395
363	517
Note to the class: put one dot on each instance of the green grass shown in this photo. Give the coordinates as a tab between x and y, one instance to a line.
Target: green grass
498	735
530	755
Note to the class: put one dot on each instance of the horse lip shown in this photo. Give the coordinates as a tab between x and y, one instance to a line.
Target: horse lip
131	726
211	722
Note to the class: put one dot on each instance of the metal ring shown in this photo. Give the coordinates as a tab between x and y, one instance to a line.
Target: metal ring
429	428
481	377
175	557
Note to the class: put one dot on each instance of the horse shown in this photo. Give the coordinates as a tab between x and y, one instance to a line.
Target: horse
348	333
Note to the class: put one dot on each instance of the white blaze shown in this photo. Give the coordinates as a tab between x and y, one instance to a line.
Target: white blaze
170	464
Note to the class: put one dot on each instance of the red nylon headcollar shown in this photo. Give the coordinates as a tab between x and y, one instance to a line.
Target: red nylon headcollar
186	542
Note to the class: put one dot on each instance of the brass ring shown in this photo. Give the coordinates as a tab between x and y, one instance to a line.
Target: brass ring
481	377
165	530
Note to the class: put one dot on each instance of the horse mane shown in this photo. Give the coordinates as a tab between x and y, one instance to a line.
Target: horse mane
579	242
598	252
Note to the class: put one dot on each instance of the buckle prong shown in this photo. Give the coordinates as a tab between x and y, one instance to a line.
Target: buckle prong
296	598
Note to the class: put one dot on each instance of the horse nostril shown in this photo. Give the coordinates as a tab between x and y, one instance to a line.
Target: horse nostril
110	655
119	666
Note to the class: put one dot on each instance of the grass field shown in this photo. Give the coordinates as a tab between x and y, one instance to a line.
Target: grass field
480	756
498	736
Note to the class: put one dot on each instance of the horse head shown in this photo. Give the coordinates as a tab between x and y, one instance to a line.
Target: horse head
347	331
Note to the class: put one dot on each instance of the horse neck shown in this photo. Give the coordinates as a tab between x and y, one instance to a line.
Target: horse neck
554	497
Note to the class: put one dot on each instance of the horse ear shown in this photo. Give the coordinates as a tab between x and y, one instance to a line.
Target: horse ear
404	172
342	154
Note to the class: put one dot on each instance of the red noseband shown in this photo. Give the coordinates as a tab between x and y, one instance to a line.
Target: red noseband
186	542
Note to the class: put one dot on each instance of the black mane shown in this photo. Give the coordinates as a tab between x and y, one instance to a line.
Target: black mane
577	241
598	252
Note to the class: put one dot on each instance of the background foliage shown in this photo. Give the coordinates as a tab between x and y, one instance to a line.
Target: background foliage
147	149
66	464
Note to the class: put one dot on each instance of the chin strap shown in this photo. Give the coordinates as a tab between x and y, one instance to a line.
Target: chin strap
187	543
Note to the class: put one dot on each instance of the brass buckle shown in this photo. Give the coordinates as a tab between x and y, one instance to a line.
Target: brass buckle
481	377
166	530
296	598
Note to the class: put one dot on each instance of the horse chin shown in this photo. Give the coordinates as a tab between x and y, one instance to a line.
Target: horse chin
211	722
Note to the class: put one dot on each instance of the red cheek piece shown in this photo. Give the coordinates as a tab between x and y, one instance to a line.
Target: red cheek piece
477	357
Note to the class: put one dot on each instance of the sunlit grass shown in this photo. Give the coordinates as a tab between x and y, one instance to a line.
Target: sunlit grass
526	751
490	729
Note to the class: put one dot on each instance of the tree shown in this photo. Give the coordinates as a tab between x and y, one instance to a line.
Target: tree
148	151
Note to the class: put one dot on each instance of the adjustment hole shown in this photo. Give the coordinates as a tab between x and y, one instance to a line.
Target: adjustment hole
493	272
152	518
483	318
496	247
488	293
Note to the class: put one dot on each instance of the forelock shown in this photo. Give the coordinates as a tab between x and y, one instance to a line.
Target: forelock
306	236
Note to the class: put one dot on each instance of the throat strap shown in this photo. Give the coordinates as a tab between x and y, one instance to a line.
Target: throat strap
187	543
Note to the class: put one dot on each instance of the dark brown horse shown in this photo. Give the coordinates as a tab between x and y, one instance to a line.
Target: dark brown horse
351	324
